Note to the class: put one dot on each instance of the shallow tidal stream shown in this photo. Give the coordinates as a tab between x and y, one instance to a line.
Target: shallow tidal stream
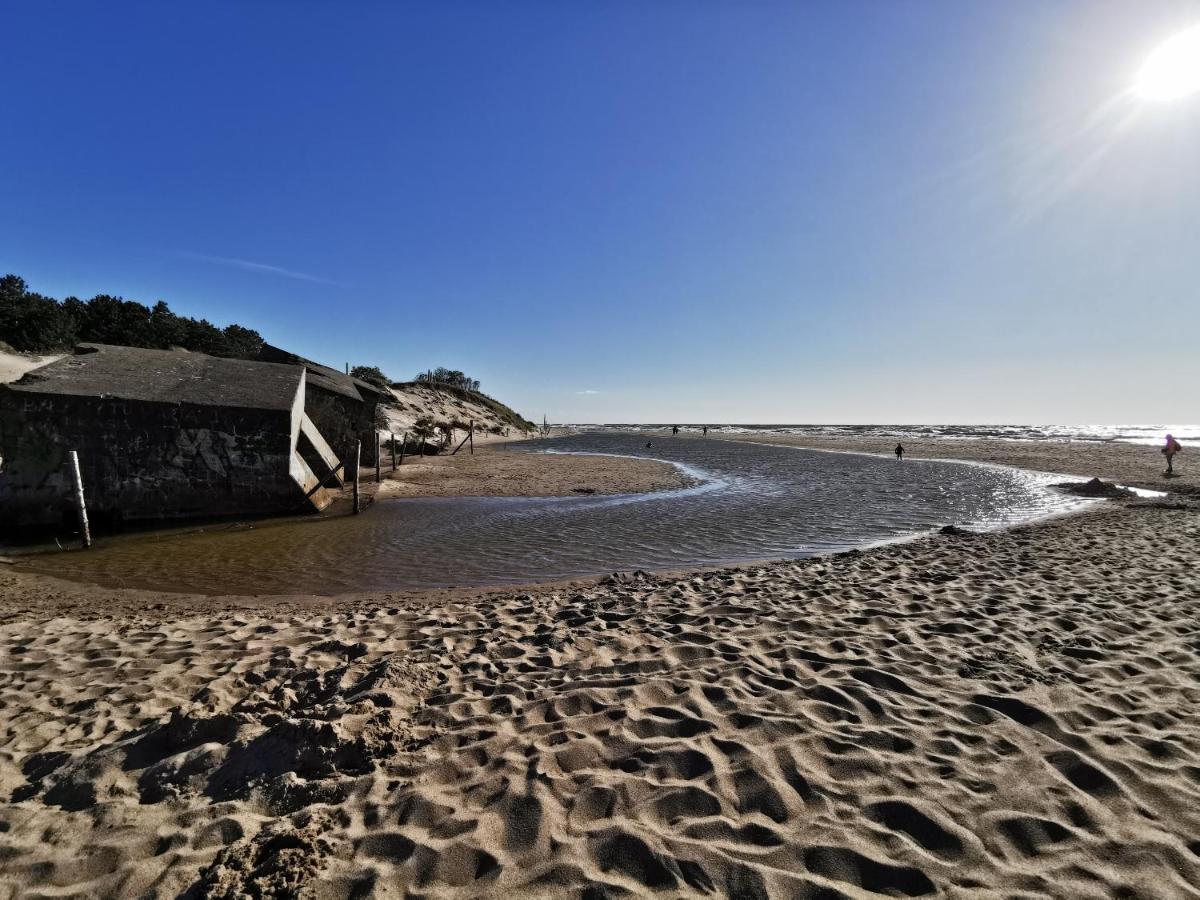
748	502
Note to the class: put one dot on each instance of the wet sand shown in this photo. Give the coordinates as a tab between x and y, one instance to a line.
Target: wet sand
497	472
995	715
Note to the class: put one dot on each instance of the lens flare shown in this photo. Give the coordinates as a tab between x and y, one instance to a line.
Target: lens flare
1173	70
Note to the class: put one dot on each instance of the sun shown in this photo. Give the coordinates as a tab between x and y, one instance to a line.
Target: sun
1172	71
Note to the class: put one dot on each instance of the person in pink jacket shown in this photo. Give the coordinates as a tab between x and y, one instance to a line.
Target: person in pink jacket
1169	450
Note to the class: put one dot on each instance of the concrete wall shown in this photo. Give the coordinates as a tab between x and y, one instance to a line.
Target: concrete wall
141	460
343	422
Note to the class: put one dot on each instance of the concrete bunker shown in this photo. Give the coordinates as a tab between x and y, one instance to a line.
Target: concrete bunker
161	434
341	406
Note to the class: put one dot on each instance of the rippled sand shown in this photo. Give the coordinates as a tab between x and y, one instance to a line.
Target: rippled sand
1011	714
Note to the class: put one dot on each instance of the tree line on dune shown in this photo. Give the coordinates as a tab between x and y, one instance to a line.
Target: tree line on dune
440	377
450	377
457	385
33	323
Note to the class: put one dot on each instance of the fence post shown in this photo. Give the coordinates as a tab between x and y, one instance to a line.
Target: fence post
403	447
80	505
472	434
378	461
357	466
392	435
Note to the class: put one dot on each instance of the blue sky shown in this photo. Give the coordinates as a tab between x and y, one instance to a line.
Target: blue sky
657	211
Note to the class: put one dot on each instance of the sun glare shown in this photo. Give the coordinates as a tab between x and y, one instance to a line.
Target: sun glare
1173	70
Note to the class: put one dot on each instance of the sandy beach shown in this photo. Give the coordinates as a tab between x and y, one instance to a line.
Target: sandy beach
449	451
1009	714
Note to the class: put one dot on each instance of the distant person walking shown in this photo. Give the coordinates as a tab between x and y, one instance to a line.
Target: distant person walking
1170	448
899	451
674	429
706	431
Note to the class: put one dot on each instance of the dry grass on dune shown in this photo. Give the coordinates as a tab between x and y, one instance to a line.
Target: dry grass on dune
1010	714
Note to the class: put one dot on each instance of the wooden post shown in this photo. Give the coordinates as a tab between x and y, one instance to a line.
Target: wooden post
80	505
403	447
378	461
422	450
357	466
392	435
471	432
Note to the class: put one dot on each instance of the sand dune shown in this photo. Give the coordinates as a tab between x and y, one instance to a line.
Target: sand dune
1010	714
414	401
13	365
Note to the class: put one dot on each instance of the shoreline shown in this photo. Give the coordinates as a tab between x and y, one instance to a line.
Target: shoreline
79	599
493	471
545	475
996	712
655	475
1134	465
652	476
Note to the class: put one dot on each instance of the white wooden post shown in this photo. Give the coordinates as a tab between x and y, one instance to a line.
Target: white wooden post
80	505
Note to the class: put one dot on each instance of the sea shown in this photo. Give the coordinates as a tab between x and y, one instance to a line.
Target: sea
1125	434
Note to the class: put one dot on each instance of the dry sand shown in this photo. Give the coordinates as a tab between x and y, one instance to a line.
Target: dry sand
495	472
1002	715
14	365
